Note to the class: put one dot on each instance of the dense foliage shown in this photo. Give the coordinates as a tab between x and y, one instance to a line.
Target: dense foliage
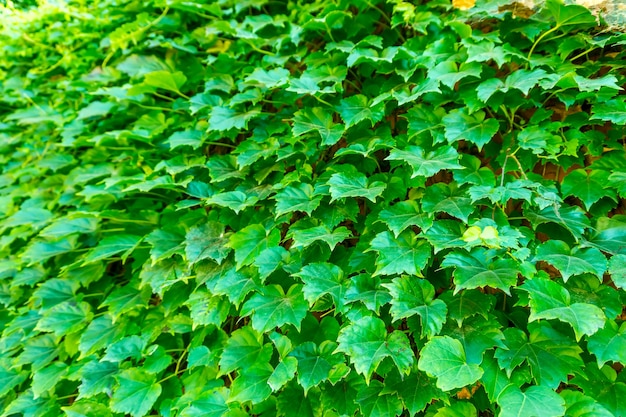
338	208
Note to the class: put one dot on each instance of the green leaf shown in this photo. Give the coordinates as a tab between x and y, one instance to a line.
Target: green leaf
244	349
613	111
65	318
610	235
354	184
297	198
449	73
273	308
39	252
444	358
67	226
283	373
447	198
461	125
225	118
250	241
373	403
234	200
315	363
45	379
306	237
206	241
412	296
534	401
122	245
549	300
571	218
10	377
164	244
609	344
251	385
477	335
125	299
572	262
367	343
100	333
617	270
404	214
358	108
477	269
320	279
136	394
206	309
427	164
458	409
316	119
368	290
570	14
588	187
165	80
551	355
406	254
416	390
445	234
467	303
580	405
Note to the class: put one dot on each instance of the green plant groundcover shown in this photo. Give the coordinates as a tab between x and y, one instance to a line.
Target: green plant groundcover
311	208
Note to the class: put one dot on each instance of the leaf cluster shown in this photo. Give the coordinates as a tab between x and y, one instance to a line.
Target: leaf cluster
294	208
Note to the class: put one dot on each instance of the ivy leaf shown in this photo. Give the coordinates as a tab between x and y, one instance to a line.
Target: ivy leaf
67	226
572	262
169	81
444	358
206	241
373	403
250	241
164	244
588	187
447	198
122	245
464	304
613	111
354	184
416	390
323	278
609	344
45	379
449	73
549	300
617	270
406	254
315	363
244	348
412	296
477	335
610	235
580	405
137	392
306	237
316	119
368	290
461	125
358	108
534	401
65	318
225	118
427	164
251	385
477	269
571	14
234	200
404	214
445	234
297	198
367	343
571	218
551	355
273	308
10	376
